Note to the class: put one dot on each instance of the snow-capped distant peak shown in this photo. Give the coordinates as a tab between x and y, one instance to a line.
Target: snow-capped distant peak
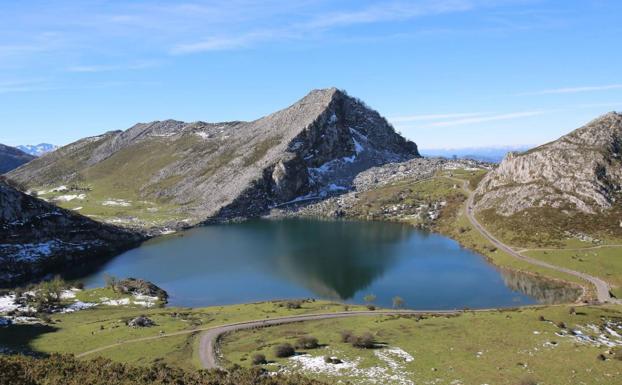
39	149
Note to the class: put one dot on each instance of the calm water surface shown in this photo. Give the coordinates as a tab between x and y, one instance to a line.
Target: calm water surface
263	259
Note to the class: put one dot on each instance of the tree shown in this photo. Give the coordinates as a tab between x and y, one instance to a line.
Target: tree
48	294
398	302
369	298
111	282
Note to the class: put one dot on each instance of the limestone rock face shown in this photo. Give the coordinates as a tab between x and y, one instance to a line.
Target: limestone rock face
579	171
36	236
214	171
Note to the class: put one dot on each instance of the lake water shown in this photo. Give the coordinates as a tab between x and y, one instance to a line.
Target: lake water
340	260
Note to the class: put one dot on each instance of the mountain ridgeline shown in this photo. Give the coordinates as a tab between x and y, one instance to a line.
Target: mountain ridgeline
580	171
566	188
11	158
195	172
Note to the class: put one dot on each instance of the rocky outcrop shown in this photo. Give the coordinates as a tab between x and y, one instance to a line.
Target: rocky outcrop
141	287
141	322
37	237
11	158
581	171
220	171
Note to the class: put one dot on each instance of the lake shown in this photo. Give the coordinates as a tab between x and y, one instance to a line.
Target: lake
339	260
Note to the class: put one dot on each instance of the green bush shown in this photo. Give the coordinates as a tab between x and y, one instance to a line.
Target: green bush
259	359
284	350
307	342
67	370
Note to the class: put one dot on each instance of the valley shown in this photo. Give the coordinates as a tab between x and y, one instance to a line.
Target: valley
451	279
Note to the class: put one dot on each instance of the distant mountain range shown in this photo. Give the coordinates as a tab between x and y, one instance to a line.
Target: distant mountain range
37	150
11	158
483	154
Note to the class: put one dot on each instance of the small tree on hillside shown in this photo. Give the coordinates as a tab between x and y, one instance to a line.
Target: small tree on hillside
369	299
111	282
398	302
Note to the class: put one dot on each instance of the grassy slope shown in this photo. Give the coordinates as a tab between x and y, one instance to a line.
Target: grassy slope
510	350
453	221
104	325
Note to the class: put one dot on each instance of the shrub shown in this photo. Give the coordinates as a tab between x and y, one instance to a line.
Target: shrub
541	318
259	359
561	325
572	310
293	304
284	350
65	369
371	307
364	341
307	342
346	335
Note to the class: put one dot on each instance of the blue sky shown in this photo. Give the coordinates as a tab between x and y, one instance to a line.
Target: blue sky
446	73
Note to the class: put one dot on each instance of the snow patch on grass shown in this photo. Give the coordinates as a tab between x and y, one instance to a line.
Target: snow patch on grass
390	370
116	202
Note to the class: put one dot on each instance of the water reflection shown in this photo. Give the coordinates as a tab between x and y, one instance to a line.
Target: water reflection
546	291
261	260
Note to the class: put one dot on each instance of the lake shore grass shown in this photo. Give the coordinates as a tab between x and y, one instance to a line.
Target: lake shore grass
494	347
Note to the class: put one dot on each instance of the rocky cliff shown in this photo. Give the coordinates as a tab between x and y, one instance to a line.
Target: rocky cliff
36	237
11	158
211	171
579	172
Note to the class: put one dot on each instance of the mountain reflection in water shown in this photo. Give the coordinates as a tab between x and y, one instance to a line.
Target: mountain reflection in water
341	260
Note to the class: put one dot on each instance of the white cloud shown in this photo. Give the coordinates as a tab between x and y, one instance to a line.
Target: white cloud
574	90
488	118
427	117
113	67
388	12
222	43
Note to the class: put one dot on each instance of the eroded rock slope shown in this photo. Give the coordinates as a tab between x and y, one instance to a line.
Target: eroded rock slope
36	237
212	171
579	172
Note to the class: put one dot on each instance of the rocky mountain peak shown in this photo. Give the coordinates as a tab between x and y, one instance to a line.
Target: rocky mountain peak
579	171
309	150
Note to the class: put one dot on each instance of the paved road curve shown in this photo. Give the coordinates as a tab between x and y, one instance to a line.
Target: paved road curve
208	348
602	287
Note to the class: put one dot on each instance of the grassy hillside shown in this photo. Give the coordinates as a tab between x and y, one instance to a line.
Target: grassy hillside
504	347
101	326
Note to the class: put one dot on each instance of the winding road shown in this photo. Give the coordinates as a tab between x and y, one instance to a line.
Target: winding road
208	348
603	293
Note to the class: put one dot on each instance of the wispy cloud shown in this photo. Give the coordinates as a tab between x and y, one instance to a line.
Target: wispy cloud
574	90
224	43
428	117
487	118
317	24
111	67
